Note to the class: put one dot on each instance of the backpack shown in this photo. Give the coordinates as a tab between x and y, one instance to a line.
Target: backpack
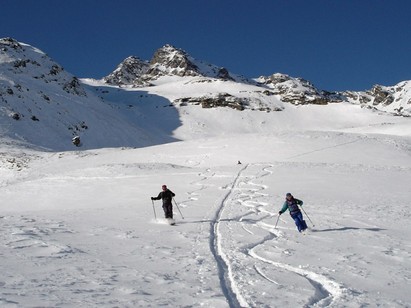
293	206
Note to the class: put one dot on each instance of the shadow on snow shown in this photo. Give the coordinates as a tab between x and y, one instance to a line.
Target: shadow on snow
348	228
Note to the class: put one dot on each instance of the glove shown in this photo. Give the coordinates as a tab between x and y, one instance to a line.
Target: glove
279	213
152	198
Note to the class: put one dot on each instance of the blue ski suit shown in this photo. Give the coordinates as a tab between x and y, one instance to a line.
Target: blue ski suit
295	212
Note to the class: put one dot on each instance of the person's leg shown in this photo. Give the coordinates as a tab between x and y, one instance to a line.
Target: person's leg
165	210
169	213
303	224
298	221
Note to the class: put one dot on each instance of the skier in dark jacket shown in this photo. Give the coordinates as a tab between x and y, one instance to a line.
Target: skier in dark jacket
292	204
167	196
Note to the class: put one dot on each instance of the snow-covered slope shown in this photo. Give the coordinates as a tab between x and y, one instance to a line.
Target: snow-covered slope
43	105
79	228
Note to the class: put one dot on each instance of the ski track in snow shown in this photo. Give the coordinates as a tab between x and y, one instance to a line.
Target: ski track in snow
326	291
227	282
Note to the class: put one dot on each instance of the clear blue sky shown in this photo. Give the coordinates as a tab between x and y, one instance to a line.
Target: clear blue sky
336	44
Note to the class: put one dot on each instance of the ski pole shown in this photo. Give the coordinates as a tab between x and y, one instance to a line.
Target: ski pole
178	208
277	222
154	209
307	216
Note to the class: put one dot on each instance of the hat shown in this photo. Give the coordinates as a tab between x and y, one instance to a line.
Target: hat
288	195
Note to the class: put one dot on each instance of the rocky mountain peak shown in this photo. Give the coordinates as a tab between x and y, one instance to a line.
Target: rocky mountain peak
169	60
128	72
9	42
275	78
166	61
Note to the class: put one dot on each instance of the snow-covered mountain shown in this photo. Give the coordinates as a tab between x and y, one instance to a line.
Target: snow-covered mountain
395	99
44	105
171	61
78	228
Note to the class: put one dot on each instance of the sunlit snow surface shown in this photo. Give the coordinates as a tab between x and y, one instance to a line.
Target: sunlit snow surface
78	228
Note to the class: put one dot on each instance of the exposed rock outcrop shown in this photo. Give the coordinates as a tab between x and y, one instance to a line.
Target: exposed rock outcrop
128	72
227	100
297	91
395	99
169	60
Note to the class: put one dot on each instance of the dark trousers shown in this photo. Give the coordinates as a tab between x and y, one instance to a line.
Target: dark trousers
299	221
168	210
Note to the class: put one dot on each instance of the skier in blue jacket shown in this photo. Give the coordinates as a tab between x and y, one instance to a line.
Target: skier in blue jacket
292	204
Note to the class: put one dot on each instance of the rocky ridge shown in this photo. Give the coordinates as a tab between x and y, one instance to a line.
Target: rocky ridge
172	61
166	61
223	99
395	99
297	91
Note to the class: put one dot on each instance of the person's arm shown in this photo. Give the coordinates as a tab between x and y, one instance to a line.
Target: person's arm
299	202
285	207
158	197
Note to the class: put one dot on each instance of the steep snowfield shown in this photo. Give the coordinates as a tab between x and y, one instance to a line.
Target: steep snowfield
42	104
